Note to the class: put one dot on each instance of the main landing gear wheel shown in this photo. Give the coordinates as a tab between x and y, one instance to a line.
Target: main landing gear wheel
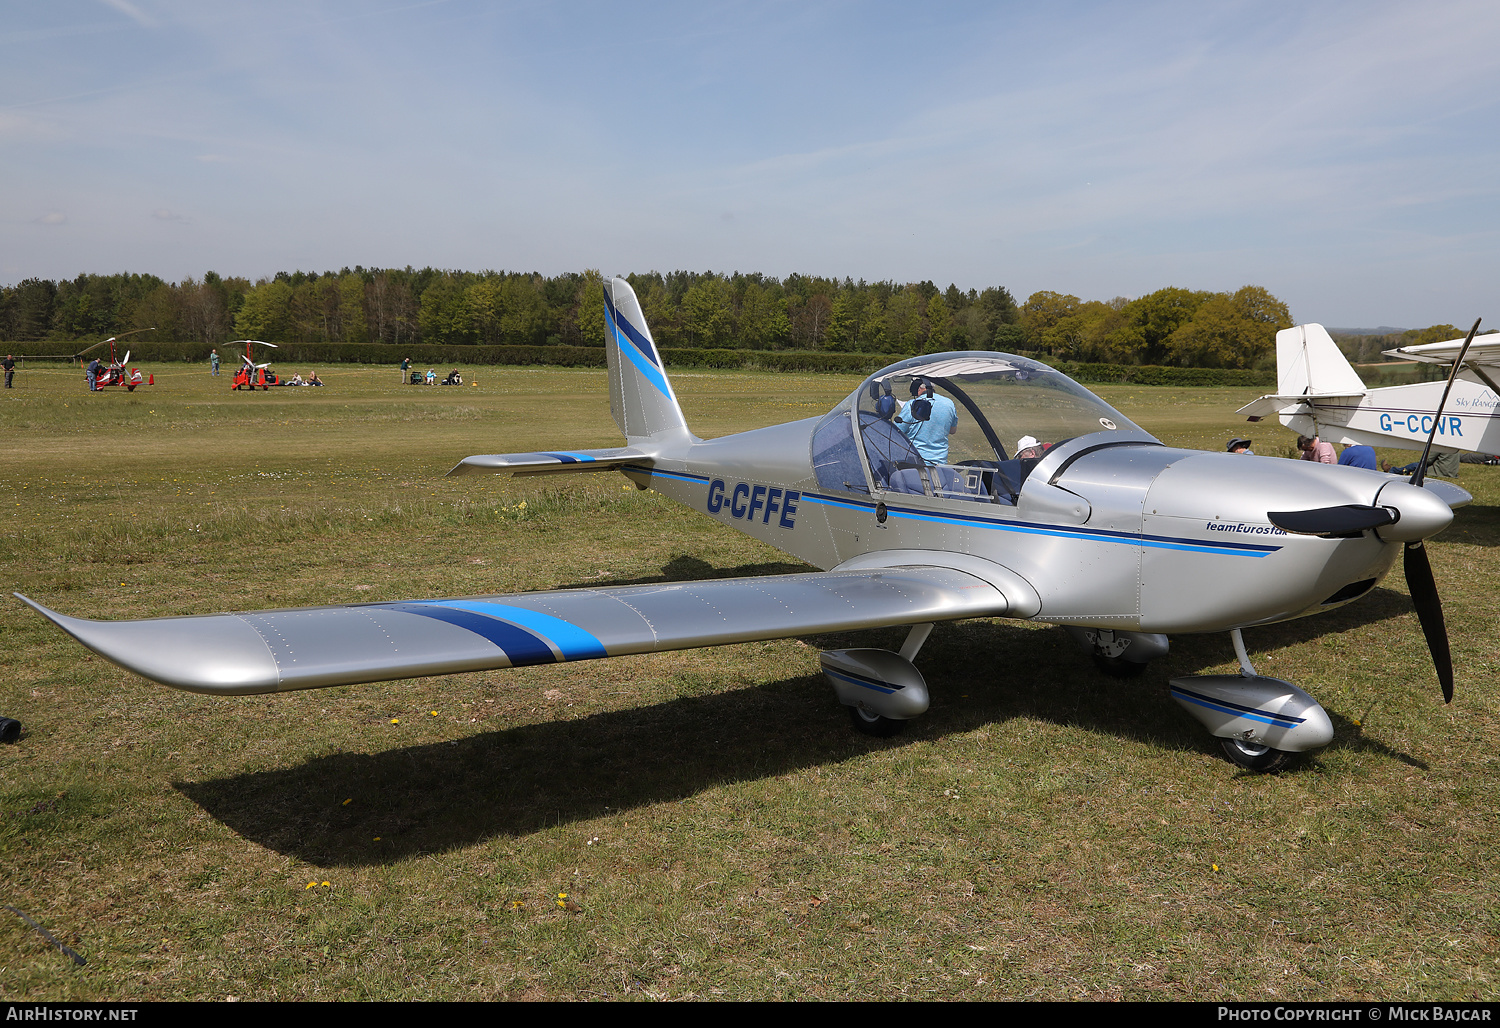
1252	756
875	724
1117	667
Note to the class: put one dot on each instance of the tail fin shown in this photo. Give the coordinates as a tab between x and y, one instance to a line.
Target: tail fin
640	397
1309	361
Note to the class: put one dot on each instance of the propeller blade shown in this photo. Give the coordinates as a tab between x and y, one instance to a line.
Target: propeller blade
127	358
1424	596
1420	474
1348	519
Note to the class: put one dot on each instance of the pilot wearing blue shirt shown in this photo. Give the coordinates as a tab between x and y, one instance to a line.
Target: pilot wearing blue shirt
928	420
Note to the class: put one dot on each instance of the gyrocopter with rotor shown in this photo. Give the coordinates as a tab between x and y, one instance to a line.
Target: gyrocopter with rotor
116	372
252	374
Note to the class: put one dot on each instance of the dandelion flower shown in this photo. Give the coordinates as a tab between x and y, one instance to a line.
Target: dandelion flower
395	720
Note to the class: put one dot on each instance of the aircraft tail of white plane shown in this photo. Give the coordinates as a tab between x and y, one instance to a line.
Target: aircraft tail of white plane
1309	365
1309	362
640	396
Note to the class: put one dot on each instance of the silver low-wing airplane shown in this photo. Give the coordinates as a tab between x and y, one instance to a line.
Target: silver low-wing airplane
1318	393
1001	488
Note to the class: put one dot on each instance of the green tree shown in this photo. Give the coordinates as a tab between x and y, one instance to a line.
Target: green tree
266	312
708	312
1042	311
443	314
938	322
591	308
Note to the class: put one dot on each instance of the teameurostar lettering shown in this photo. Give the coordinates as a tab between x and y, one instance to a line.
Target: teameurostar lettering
746	502
66	1014
1421	424
1241	528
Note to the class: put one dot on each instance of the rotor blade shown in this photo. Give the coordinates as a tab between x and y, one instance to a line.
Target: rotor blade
1458	362
91	349
1348	519
1424	596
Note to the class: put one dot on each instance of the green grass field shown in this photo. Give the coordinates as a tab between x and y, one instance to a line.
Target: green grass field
1043	832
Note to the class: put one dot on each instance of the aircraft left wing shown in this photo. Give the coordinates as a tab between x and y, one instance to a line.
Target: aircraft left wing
312	647
549	462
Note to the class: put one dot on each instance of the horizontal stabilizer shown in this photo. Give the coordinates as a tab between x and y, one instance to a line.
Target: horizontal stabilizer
550	462
1264	407
312	647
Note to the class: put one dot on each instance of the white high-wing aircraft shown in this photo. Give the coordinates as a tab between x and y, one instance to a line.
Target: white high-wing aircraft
1000	488
1319	394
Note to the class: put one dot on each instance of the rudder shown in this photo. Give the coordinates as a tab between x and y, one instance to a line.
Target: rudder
640	396
1309	361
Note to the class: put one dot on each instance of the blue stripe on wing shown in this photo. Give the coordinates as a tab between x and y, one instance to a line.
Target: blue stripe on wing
519	646
571	641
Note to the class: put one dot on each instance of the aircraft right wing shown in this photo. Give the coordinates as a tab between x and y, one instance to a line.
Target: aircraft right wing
1485	350
307	648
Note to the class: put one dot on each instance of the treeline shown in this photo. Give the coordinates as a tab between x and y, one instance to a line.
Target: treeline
1371	349
685	309
1171	327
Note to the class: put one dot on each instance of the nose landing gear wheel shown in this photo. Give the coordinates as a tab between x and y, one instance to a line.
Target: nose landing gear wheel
1254	757
874	724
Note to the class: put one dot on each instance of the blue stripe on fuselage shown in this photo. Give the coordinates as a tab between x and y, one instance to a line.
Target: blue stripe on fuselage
1059	531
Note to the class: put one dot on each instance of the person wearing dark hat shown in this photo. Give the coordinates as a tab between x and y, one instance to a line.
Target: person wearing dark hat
1238	445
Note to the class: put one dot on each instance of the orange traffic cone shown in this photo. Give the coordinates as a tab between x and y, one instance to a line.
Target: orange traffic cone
151	379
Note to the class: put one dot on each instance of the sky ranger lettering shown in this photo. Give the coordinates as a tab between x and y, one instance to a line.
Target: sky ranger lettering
1032	499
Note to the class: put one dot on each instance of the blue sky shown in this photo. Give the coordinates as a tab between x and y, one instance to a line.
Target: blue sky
1342	155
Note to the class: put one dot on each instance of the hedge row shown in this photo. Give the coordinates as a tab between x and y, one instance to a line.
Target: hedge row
1150	374
444	355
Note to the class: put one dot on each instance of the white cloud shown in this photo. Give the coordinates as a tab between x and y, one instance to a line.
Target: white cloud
130	11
